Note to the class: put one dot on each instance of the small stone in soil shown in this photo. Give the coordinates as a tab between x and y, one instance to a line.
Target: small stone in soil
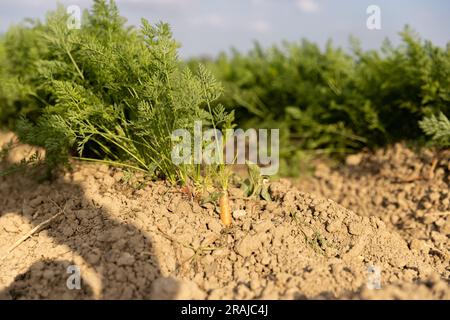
125	259
237	214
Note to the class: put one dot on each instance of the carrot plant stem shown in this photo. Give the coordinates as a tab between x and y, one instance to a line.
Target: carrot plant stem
113	163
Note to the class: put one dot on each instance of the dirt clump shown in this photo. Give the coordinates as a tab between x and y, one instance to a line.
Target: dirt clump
408	190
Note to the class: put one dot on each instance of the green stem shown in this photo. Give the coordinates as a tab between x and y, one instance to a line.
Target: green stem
74	63
39	98
124	149
114	163
222	174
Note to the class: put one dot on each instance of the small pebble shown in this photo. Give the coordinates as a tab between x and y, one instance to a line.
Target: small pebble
237	214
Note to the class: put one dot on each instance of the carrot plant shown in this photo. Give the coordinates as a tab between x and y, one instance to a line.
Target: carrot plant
438	128
223	120
20	48
109	93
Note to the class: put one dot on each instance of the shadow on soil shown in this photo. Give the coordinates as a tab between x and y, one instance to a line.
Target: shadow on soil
120	255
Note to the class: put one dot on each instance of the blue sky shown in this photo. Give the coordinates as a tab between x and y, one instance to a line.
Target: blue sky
206	27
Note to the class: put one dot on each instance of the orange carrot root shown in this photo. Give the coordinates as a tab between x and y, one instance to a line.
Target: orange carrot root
225	210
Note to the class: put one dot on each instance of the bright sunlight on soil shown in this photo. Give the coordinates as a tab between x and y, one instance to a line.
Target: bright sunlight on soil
155	242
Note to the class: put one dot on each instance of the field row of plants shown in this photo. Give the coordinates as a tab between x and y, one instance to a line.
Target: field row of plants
333	101
112	93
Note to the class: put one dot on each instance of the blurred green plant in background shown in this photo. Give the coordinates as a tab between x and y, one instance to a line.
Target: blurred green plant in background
116	93
335	102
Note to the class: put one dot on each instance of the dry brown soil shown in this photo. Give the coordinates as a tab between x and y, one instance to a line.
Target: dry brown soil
152	241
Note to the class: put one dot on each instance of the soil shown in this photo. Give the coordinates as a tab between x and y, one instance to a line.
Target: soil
140	239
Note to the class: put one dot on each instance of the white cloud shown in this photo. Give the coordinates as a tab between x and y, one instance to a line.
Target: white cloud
256	2
158	2
210	20
260	26
308	6
84	2
50	3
